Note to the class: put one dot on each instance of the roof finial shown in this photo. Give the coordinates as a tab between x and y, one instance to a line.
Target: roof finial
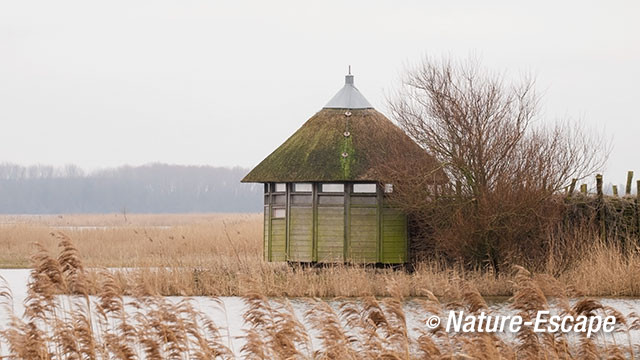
348	79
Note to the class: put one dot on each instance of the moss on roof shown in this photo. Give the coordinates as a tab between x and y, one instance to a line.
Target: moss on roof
320	151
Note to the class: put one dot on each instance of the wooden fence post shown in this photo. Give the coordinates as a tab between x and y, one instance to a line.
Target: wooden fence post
627	191
599	185
615	190
572	187
583	189
600	201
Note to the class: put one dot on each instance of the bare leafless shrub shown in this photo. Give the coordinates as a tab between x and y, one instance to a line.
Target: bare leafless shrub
504	170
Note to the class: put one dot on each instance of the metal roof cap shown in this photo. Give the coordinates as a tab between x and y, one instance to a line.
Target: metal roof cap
349	97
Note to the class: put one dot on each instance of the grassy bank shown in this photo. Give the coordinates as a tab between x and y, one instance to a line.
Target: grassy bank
221	255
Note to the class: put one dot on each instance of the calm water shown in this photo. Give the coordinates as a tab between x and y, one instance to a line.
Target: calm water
230	315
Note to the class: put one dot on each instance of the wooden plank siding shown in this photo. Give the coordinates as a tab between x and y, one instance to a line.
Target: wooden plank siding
301	234
394	236
278	239
266	233
363	234
330	234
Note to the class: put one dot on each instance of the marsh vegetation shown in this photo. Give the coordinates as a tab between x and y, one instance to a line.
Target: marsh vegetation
221	255
71	313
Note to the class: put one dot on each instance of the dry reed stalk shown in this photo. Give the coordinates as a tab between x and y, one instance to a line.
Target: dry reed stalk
152	241
335	341
216	255
275	332
433	342
77	326
527	301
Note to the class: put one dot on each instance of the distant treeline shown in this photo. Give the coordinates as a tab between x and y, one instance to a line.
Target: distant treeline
154	188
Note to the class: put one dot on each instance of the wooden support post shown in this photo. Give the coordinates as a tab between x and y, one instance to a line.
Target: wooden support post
379	240
314	203
287	221
615	190
348	189
600	202
627	191
572	187
270	226
583	189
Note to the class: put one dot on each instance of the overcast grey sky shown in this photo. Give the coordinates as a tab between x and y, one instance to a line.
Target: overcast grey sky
224	83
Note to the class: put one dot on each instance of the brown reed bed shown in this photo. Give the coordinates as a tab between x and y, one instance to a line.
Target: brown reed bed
141	240
110	326
221	255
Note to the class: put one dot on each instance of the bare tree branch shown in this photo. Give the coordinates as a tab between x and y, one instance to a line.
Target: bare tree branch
504	166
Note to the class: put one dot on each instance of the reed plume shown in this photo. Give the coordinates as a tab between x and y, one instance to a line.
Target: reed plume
62	321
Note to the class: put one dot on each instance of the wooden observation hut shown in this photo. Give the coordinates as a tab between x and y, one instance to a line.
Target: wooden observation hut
323	200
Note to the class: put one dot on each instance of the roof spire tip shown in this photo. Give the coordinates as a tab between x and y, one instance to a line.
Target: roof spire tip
348	79
348	97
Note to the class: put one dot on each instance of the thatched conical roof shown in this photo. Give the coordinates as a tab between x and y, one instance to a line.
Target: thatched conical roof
347	140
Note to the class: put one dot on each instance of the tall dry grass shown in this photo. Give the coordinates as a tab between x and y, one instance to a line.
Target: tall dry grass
110	326
140	240
221	255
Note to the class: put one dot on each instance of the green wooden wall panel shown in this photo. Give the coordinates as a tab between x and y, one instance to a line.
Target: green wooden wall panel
374	234
278	240
363	234
394	236
330	237
301	234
